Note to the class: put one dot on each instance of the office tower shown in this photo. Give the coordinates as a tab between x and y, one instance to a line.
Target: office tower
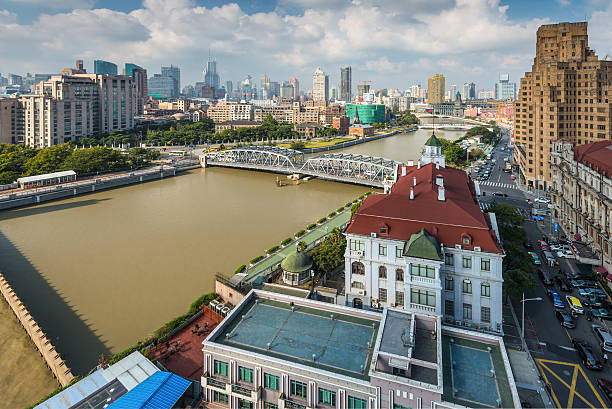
453	92
346	78
296	88
161	87
362	89
141	82
435	89
273	89
105	67
468	91
320	86
229	87
567	95
211	78
286	91
173	72
505	89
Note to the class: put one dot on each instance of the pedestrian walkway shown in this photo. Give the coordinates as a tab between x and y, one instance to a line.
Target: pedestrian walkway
316	234
484	205
498	184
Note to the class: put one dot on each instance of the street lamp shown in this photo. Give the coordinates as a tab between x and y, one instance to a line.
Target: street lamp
523	317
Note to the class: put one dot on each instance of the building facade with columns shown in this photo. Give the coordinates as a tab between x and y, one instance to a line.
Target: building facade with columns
426	246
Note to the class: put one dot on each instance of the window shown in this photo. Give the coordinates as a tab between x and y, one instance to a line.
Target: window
467	262
423	297
382	250
398	406
357	245
382	294
327	397
268	405
449	284
399	274
298	389
467	287
422	270
384	229
358	268
220	368
245	374
485	264
467	311
485	314
399	298
382	272
399	372
449	259
244	404
271	381
357	284
398	252
465	240
356	403
220	398
485	289
449	307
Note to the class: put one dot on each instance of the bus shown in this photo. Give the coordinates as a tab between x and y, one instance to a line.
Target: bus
178	153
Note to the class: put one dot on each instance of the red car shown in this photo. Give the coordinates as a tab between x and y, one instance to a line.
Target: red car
606	387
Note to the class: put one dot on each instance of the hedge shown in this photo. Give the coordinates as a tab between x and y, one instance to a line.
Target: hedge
256	259
310	226
239	269
322	219
339	209
272	249
286	241
332	214
348	204
300	233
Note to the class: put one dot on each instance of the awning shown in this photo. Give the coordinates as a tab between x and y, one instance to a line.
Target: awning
602	270
609	277
577	237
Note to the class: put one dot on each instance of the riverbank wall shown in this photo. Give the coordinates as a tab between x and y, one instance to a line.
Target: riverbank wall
52	358
33	197
356	141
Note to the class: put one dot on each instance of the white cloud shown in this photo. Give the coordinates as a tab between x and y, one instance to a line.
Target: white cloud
6	17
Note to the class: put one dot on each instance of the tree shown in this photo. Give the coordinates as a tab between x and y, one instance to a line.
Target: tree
330	253
297	145
48	160
517	281
270	121
506	213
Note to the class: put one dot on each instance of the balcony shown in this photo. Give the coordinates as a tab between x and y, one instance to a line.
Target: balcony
289	404
215	382
423	280
422	308
241	390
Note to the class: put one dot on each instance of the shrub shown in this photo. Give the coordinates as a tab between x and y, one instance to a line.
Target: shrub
348	204
321	220
272	249
239	269
362	196
202	300
340	209
256	259
300	233
332	214
286	241
311	225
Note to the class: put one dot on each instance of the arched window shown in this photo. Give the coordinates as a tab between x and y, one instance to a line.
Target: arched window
485	289
399	274
358	268
466	240
382	272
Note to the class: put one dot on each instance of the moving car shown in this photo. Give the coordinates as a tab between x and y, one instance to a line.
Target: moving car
565	319
574	304
556	299
500	194
587	356
603	336
545	278
562	284
535	258
541	200
606	387
579	283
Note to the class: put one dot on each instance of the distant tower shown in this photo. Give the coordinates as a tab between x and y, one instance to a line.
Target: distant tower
433	152
320	86
211	77
296	88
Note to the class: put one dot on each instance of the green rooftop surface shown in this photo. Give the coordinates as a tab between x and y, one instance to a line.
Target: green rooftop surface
467	375
423	245
297	261
433	141
341	345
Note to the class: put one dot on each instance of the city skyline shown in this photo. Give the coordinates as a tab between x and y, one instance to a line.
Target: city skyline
121	32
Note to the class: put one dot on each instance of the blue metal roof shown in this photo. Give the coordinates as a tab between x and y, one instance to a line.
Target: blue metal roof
161	390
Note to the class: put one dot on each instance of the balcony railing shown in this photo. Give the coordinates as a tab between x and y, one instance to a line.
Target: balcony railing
289	404
422	280
421	307
241	390
215	382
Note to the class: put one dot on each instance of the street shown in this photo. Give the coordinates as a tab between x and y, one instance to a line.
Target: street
571	383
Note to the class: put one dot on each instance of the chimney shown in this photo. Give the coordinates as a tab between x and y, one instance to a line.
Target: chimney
419	164
441	194
411	193
440	180
414	181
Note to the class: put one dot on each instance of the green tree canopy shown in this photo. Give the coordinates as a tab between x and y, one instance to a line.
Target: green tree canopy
48	160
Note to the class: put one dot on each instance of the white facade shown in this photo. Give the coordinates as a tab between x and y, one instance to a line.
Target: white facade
320	86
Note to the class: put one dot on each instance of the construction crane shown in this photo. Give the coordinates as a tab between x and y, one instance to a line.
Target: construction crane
499	107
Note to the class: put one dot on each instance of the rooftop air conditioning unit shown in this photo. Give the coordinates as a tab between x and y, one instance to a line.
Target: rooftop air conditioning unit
373	234
458	246
477	248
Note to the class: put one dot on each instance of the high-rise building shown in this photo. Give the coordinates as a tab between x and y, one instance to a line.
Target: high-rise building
8	120
160	86
229	87
141	82
505	89
296	88
468	91
565	96
104	67
286	91
173	72
211	77
14	79
320	86
362	89
453	92
346	78
435	89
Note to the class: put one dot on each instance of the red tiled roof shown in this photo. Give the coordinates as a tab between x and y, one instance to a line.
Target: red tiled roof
596	155
446	220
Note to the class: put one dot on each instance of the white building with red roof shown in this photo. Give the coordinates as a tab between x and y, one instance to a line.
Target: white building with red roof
426	246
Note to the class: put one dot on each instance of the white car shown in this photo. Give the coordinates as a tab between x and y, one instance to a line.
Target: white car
541	200
565	254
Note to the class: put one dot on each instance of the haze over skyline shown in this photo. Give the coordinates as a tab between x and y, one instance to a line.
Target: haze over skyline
393	43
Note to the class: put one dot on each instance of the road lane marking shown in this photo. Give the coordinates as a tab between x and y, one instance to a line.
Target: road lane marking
552	392
570	398
553	373
603	405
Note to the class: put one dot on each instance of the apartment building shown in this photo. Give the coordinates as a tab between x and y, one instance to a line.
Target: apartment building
11	131
261	356
427	247
582	193
567	95
436	89
230	111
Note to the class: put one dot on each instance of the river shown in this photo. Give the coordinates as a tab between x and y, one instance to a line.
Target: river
103	270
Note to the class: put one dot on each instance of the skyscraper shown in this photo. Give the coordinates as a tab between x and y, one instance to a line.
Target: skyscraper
229	87
565	96
296	88
453	92
320	86
435	89
468	91
505	89
211	77
173	72
346	78
104	67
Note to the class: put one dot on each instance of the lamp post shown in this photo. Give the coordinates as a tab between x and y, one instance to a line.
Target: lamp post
523	317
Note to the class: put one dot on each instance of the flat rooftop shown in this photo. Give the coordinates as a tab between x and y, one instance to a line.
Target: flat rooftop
314	337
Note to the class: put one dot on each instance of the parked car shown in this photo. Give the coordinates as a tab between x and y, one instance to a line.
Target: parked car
579	283
604	337
556	299
541	200
574	304
545	278
606	387
587	356
565	254
562	284
600	313
500	194
565	319
591	303
535	258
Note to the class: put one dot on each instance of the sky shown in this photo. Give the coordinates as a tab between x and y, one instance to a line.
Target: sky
392	43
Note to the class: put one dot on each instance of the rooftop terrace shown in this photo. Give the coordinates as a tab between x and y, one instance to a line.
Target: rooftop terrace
314	337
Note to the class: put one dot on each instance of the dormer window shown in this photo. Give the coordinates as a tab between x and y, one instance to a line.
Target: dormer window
384	229
466	240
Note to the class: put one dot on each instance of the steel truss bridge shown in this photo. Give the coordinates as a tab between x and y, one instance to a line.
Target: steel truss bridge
339	167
